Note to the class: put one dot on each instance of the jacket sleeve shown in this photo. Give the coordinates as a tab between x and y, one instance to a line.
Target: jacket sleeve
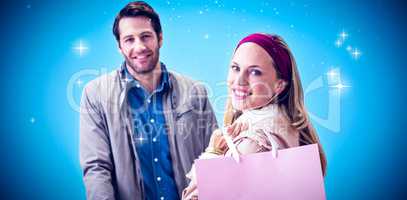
94	149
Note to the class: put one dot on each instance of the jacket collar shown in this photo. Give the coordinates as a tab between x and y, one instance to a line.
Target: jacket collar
126	84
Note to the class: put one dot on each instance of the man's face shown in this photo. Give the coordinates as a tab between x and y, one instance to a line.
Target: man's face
139	44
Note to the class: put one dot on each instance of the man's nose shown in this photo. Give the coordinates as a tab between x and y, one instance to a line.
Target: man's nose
139	46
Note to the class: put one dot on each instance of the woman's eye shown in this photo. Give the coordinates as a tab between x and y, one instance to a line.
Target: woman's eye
235	68
255	72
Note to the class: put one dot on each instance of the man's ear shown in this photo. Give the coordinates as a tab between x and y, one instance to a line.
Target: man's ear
160	40
119	48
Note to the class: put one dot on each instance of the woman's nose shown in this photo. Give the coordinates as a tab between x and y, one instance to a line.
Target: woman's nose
241	79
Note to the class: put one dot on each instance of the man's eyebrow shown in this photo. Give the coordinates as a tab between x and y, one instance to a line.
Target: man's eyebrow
127	36
146	32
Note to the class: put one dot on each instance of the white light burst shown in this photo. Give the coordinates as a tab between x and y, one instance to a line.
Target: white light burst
340	86
79	82
81	48
343	35
356	53
338	43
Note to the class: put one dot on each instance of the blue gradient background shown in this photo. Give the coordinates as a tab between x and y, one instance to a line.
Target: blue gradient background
366	157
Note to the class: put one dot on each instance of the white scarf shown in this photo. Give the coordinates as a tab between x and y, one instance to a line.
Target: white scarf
269	118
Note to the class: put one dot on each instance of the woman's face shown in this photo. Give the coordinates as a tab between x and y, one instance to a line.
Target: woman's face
252	79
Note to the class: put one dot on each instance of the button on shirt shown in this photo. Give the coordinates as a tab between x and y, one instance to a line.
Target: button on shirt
151	138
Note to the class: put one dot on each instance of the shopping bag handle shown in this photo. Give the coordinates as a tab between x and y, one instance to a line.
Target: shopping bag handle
232	147
274	145
235	153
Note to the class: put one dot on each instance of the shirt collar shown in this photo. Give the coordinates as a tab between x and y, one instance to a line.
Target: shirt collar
165	82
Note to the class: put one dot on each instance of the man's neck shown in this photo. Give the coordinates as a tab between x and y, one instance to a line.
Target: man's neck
150	80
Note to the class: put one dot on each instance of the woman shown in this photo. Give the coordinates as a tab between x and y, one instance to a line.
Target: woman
265	109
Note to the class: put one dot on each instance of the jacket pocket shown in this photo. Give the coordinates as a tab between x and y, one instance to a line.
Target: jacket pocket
187	125
183	110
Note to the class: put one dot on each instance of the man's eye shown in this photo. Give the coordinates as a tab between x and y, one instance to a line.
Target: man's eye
144	37
235	68
129	40
255	72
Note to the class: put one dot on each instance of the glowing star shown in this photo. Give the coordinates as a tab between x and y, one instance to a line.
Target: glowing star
332	73
340	86
127	79
81	48
140	139
32	120
338	43
343	35
79	82
200	12
206	36
334	76
356	53
348	48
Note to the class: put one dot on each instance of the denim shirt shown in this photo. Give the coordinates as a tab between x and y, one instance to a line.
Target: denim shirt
107	146
151	138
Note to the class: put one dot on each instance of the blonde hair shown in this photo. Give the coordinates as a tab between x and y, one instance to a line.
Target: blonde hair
291	101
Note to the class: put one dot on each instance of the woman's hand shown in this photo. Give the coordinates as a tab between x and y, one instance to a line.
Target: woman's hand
190	192
217	142
235	129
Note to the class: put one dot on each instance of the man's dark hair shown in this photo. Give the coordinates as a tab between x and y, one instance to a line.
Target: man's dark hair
134	9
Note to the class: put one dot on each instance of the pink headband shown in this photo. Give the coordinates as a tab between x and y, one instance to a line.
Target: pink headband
271	44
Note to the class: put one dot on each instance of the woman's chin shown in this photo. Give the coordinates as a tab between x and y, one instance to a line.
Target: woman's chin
237	105
247	105
240	105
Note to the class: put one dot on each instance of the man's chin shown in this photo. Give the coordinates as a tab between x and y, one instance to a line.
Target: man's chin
140	69
144	70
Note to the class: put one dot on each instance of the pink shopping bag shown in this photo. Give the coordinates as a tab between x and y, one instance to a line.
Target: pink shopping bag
295	174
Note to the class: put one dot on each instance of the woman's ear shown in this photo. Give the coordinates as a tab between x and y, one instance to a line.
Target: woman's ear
281	84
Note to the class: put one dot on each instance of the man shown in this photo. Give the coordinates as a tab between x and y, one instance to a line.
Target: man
141	127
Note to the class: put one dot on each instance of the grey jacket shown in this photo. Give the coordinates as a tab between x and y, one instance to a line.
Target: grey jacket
110	165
